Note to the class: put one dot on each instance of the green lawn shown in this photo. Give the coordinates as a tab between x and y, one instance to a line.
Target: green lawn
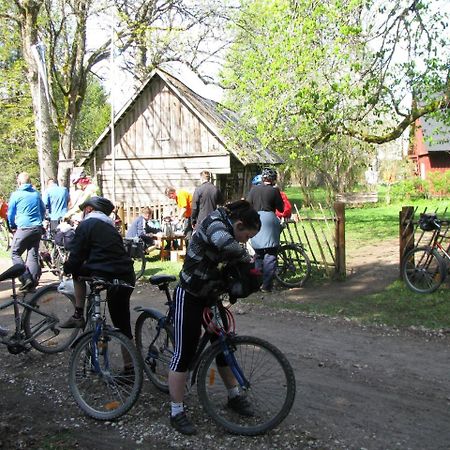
395	306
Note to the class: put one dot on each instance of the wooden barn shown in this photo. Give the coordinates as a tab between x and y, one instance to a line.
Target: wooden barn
165	136
430	149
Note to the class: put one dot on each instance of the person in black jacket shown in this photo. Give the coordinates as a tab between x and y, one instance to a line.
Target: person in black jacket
266	199
97	250
205	200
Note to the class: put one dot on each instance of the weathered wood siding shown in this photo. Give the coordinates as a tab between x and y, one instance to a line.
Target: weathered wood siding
158	142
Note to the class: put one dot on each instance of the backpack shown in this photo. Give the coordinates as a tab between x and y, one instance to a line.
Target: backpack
242	279
64	238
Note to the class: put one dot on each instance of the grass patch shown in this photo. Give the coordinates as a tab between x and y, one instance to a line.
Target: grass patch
396	306
155	266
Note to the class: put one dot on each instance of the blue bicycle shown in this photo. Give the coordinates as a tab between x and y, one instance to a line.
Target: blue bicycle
263	373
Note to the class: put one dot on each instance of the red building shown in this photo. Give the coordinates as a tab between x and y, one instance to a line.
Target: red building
430	147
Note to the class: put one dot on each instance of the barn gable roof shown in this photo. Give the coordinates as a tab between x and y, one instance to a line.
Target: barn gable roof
436	135
215	117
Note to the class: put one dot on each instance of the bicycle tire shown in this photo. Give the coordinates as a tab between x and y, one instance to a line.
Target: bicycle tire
271	389
155	360
52	338
139	263
293	266
423	270
109	393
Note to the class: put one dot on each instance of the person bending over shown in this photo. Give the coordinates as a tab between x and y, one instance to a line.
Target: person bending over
216	240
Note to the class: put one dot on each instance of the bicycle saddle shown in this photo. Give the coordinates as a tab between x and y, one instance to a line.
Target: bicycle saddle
161	279
13	272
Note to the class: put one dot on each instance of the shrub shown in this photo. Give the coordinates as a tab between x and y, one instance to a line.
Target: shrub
409	189
439	183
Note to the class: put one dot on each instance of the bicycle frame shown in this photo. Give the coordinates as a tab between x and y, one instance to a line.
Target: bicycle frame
205	339
18	319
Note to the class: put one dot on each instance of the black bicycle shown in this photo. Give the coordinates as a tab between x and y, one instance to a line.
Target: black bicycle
293	265
105	370
263	373
136	249
38	326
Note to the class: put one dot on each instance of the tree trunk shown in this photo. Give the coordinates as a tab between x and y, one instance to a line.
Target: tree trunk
29	12
65	154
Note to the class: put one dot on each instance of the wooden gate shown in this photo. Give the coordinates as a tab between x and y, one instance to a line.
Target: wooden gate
321	231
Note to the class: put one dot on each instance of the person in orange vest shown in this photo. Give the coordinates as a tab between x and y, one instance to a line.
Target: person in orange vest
184	203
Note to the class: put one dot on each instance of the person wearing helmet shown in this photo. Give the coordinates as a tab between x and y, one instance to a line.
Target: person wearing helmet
97	250
85	189
257	180
266	199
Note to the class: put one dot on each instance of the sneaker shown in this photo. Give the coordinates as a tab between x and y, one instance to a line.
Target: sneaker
73	322
241	405
3	332
182	424
27	284
266	291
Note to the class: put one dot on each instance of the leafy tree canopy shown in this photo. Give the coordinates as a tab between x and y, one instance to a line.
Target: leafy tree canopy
302	71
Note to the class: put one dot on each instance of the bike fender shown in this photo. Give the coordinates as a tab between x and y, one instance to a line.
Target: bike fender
78	338
155	312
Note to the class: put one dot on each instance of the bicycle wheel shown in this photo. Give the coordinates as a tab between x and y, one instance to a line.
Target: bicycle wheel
5	237
139	262
47	336
270	391
293	266
423	270
98	381
155	345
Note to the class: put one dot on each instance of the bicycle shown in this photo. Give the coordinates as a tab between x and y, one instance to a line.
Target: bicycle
293	265
52	255
37	327
105	371
262	371
425	268
136	249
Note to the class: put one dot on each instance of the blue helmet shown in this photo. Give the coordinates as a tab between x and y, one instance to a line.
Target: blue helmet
257	180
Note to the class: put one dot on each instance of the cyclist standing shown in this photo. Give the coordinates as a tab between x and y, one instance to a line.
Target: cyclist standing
266	199
26	211
97	250
216	240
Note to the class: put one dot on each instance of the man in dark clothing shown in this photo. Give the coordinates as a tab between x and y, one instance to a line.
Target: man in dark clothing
97	250
266	199
206	198
26	212
144	227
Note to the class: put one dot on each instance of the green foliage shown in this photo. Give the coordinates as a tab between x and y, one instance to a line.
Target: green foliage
17	147
94	116
439	184
311	77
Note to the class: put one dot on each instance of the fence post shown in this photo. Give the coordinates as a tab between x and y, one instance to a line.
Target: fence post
406	232
339	208
121	215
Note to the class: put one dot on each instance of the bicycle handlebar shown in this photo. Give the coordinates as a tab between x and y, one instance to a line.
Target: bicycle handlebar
98	282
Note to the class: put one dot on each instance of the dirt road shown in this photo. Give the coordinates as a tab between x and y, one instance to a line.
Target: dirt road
357	387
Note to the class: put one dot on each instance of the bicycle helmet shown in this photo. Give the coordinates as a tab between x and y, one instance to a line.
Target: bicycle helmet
269	174
257	180
428	222
99	204
78	177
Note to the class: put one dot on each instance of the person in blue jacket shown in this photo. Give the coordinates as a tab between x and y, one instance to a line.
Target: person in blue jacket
56	200
26	211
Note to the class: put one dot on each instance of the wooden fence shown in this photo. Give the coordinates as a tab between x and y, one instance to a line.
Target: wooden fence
322	234
320	230
411	235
